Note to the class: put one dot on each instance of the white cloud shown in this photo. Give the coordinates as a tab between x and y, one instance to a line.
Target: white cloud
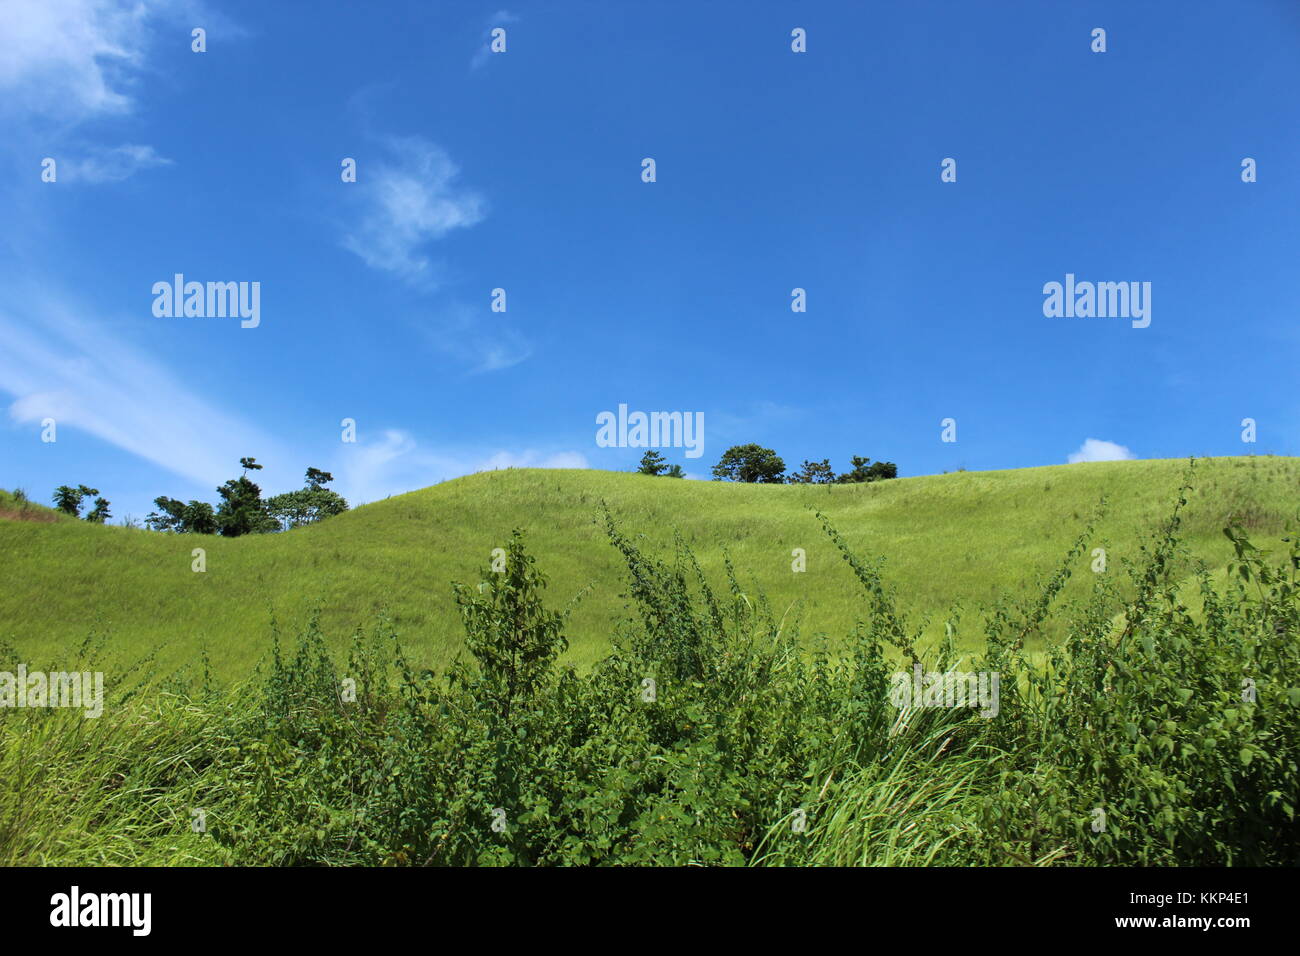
110	165
66	62
1094	449
62	367
410	199
70	56
396	464
70	60
503	355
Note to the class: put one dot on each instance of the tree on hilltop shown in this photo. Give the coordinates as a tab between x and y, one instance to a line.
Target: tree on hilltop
68	499
652	463
864	470
750	463
814	473
309	504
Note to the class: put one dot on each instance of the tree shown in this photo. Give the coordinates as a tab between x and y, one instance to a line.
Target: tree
652	463
242	510
67	500
307	505
865	470
168	515
197	517
814	473
101	512
750	463
317	479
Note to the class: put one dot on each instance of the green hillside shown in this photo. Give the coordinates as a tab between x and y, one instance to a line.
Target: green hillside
947	539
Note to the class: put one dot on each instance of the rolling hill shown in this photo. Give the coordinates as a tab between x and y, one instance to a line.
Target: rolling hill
947	539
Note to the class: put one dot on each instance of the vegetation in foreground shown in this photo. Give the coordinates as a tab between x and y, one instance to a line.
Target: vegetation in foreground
1164	729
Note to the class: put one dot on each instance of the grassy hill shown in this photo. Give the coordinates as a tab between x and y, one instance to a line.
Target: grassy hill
949	539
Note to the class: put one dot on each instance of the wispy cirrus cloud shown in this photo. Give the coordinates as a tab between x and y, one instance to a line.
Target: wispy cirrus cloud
408	199
71	58
64	63
110	164
479	340
58	365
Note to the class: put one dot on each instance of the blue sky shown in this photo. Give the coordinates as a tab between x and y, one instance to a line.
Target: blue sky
522	170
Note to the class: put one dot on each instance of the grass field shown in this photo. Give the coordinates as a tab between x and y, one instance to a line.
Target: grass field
957	539
1163	703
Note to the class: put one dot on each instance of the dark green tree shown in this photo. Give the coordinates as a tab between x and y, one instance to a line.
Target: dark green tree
750	463
197	517
100	514
814	473
168	515
242	510
317	479
866	470
68	500
652	463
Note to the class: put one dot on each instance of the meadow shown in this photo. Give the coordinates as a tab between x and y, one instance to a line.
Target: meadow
957	540
1149	714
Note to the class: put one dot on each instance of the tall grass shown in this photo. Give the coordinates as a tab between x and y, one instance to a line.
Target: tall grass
1163	729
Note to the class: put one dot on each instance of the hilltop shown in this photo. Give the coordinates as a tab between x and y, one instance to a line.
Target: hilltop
947	539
